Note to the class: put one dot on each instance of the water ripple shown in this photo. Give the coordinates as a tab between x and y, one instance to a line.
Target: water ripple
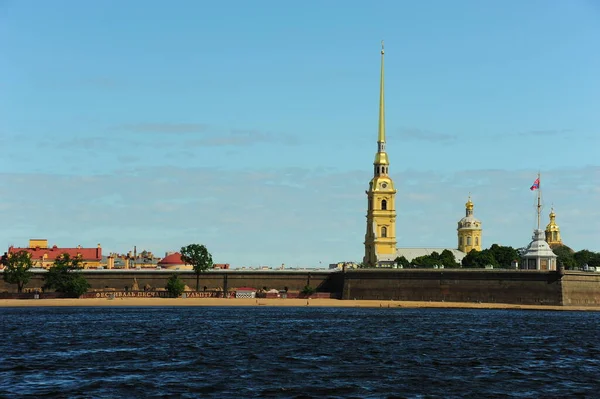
297	353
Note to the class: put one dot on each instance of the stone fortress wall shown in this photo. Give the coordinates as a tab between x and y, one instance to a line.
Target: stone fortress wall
527	287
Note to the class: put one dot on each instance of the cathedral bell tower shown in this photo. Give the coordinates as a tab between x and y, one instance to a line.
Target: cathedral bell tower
380	238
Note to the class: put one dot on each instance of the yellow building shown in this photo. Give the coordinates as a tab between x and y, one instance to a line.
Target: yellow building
553	231
469	230
380	238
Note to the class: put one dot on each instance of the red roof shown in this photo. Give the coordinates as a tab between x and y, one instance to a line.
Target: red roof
173	259
89	254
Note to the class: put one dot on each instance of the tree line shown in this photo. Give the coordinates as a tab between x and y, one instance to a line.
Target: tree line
500	257
62	276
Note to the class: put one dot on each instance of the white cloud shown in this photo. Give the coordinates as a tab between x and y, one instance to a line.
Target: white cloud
294	216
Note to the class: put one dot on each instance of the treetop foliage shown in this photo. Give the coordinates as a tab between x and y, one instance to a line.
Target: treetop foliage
64	276
16	269
198	256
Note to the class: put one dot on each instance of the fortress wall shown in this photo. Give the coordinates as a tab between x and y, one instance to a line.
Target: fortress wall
488	286
119	279
581	288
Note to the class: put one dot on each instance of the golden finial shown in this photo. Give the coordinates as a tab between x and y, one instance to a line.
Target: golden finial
469	204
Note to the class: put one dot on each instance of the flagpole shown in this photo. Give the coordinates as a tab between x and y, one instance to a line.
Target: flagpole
539	206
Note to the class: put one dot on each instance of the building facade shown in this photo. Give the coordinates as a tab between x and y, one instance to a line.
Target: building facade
380	237
469	230
44	256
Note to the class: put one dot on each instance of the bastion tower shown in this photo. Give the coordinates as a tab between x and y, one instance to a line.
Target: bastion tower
469	230
380	238
553	232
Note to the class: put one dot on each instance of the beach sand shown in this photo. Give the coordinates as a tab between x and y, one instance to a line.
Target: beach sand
164	302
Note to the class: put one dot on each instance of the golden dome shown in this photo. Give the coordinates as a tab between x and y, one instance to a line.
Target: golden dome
469	204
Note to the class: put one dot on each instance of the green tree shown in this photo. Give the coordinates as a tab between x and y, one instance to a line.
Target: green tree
175	286
401	261
583	257
308	290
64	276
198	256
16	269
479	259
594	260
565	258
448	259
504	256
427	261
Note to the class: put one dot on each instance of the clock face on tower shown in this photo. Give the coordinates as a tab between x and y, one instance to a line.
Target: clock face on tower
383	185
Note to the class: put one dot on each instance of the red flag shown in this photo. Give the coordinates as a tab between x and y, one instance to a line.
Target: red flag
536	184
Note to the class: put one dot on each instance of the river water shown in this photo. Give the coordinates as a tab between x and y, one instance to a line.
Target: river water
270	352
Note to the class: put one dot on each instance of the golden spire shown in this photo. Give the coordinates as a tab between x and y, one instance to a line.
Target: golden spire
381	159
381	137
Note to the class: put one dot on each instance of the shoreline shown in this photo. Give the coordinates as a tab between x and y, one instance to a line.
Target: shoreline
275	302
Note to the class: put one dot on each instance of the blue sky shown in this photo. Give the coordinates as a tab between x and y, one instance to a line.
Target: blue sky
251	127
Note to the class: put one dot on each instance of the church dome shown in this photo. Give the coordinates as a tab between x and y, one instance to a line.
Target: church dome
469	222
172	259
469	204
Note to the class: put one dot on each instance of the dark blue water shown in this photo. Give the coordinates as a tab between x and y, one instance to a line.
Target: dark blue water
298	353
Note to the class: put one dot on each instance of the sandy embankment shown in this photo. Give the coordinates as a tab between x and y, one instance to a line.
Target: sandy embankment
117	302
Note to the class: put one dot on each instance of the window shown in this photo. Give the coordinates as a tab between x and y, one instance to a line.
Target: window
468	240
476	240
384	205
460	241
384	231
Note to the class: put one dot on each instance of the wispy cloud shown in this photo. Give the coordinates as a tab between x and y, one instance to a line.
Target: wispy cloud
542	133
289	209
205	135
411	133
165	127
240	137
546	132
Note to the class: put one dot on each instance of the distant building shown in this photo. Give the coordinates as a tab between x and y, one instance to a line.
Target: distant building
539	255
44	256
380	237
343	265
469	230
172	260
553	232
